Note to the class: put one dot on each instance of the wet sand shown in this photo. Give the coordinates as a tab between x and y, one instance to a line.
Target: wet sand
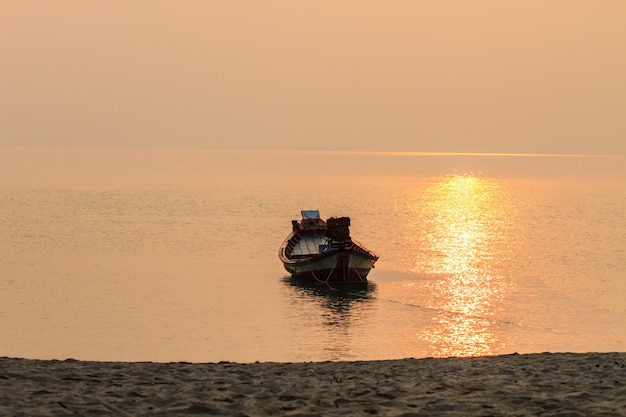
513	385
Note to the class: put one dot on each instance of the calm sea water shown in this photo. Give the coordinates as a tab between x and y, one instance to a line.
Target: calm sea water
171	256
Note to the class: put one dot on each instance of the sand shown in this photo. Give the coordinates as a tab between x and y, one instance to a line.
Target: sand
514	385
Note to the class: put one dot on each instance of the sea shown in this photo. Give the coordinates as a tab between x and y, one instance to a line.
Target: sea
172	255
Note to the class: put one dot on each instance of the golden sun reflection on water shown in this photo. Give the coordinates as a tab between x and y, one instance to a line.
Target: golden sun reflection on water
462	246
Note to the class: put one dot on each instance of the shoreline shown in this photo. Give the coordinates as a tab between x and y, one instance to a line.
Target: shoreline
530	384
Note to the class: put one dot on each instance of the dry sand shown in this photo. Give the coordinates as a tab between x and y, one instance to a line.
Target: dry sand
592	384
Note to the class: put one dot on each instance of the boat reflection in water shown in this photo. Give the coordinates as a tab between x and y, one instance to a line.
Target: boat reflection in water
337	300
333	316
462	247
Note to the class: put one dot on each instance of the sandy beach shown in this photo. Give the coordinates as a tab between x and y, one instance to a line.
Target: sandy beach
547	384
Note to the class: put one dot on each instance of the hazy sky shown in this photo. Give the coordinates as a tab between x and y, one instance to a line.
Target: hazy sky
459	76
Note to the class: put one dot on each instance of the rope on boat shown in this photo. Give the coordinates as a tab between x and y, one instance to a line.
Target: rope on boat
327	278
357	273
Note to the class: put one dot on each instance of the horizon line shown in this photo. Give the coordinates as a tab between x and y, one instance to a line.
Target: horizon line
319	152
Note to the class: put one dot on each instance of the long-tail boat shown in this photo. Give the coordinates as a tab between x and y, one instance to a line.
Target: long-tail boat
323	251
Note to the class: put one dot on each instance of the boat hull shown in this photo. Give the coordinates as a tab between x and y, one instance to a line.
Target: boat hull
337	267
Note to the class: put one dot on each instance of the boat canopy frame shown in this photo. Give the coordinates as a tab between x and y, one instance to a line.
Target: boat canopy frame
310	214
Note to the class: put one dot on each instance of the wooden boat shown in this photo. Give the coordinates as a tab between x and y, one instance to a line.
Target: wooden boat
323	251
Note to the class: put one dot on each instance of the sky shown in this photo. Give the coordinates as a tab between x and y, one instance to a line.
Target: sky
417	76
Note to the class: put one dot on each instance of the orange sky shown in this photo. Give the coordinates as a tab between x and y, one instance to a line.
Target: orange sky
439	76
